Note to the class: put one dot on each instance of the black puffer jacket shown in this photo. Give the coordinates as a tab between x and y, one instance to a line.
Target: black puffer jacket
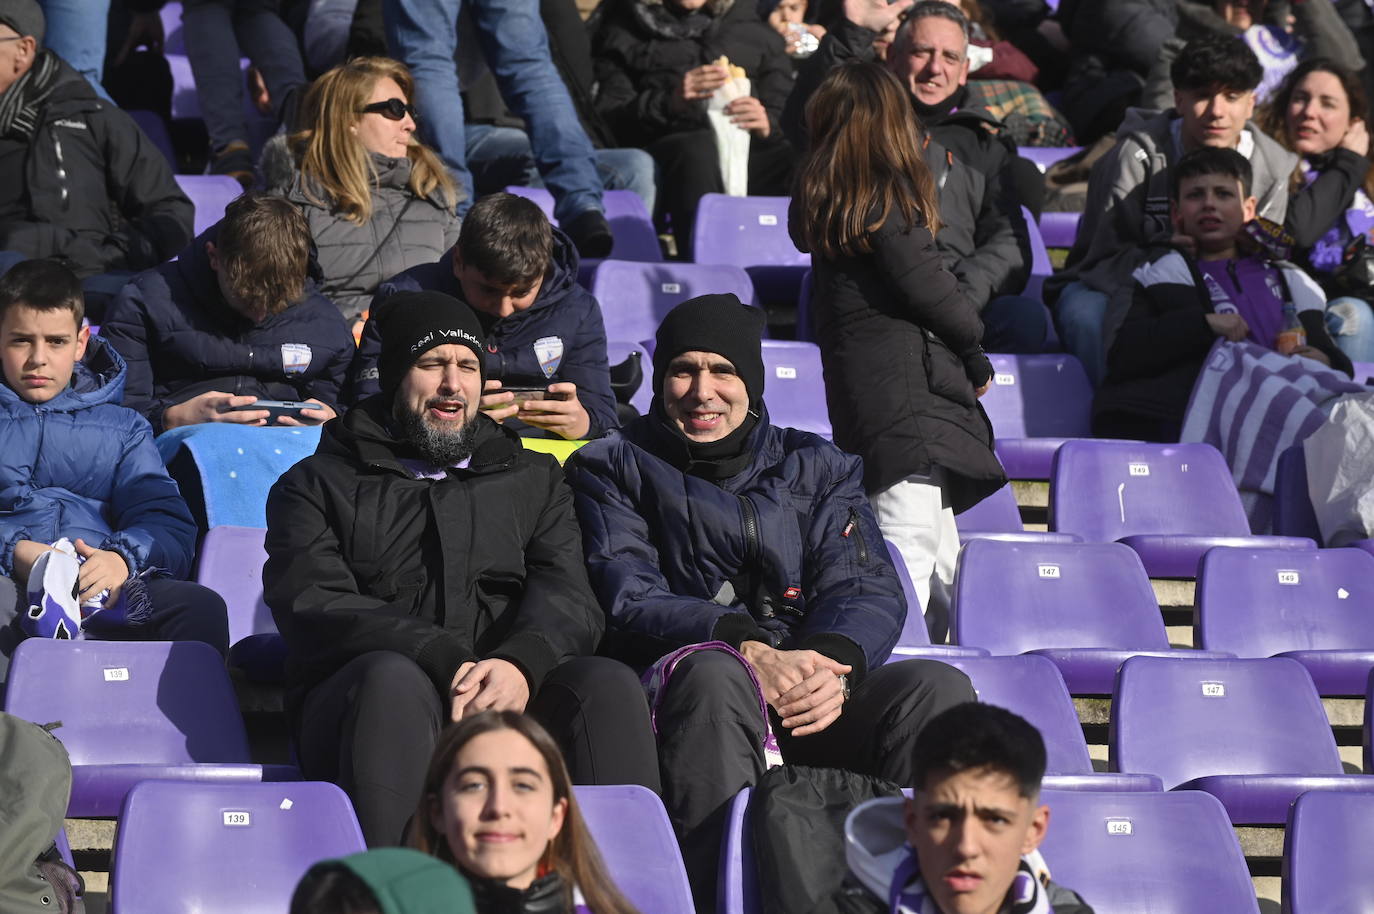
487	562
642	48
98	193
902	355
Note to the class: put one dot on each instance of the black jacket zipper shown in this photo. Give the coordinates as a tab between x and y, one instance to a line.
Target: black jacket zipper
853	528
752	546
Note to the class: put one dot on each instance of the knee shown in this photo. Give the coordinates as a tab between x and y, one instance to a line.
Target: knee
598	679
942	685
392	676
710	682
1349	316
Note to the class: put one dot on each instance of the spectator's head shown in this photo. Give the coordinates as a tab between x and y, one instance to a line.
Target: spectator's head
864	162
387	880
1315	107
1212	199
976	806
498	804
1214	90
41	332
929	53
431	370
1240	13
21	38
708	365
261	255
504	249
353	114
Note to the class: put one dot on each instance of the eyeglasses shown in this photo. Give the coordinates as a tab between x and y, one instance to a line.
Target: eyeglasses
393	109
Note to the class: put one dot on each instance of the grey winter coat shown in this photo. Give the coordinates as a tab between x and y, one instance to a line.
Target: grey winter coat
404	231
35	784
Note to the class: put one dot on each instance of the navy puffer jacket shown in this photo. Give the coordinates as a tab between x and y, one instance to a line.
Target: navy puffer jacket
792	535
83	466
181	339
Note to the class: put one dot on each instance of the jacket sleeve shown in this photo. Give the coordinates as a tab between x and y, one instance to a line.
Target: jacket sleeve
1158	334
151	523
855	606
635	113
327	386
999	264
841	44
1324	34
158	217
1315	208
586	365
1109	241
315	600
773	82
126	328
558	617
1130	31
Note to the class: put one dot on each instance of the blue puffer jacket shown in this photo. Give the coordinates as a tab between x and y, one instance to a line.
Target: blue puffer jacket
180	339
792	535
81	465
563	315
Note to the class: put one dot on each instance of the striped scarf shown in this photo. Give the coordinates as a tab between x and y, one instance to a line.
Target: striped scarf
21	103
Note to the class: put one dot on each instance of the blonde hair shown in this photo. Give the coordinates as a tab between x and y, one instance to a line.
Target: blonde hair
335	160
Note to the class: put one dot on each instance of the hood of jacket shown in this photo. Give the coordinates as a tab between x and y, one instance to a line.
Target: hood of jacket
363	434
192	267
97	379
35	784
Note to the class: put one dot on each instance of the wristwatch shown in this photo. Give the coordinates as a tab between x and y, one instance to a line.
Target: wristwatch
844	685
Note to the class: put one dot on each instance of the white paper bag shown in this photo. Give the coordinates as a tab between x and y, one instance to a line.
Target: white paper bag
1339	483
732	142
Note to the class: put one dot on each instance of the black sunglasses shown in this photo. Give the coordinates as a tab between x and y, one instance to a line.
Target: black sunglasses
393	109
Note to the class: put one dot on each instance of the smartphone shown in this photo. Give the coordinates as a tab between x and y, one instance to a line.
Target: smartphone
277	408
524	395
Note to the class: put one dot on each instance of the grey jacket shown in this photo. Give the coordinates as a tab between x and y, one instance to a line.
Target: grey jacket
357	258
35	784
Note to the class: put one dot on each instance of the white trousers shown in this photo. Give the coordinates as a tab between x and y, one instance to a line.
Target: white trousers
914	518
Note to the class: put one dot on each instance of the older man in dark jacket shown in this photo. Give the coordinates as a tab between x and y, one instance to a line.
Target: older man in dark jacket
422	567
748	558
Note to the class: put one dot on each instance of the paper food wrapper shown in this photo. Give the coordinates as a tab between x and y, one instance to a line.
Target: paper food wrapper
1338	456
732	142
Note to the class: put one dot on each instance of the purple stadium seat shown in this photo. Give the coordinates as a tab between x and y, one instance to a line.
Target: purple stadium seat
133	711
794	386
1045	156
1168	502
1315	606
173	42
636	840
150	122
231	560
1364	372
1041	268
1084	606
1032	687
225	848
210	194
915	638
1147	853
631	224
1035	403
1369	725
635	296
1059	229
1293	514
1326	853
1250	732
643	395
737	889
997	517
751	232
804	331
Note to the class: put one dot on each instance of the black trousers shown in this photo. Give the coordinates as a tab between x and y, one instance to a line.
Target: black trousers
710	737
372	726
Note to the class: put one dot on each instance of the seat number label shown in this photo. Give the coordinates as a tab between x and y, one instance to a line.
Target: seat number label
117	674
1004	380
237	817
1119	827
1049	571
1140	469
786	373
1289	577
1214	690
767	219
672	288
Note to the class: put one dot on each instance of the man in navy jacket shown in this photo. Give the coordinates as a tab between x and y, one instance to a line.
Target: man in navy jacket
706	527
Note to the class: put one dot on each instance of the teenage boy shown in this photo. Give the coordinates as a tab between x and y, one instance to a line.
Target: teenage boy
1128	189
972	824
91	525
519	274
1225	285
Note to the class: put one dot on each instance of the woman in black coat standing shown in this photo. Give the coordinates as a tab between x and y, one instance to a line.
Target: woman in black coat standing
901	346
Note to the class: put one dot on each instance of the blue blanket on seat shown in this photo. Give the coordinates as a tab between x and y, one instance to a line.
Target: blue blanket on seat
238	465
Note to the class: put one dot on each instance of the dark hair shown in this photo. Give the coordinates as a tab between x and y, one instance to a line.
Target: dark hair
506	238
931	9
44	285
1209	160
1273	117
332	888
264	247
864	162
572	853
974	735
1217	62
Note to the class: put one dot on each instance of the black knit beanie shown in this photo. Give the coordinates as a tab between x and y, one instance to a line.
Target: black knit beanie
714	323
412	323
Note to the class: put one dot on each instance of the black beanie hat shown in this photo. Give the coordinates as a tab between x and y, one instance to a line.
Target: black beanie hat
714	323
412	323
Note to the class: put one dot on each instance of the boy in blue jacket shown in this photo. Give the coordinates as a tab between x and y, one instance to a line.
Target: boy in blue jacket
90	523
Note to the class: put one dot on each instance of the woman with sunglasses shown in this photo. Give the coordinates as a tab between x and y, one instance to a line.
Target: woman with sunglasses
378	201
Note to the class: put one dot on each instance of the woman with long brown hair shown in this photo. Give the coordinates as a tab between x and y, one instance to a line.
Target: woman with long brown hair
498	804
901	345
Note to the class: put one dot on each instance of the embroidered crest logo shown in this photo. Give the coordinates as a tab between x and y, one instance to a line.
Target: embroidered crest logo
295	357
549	351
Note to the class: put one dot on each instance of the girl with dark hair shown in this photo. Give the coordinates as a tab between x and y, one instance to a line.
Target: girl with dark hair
1320	112
498	804
904	365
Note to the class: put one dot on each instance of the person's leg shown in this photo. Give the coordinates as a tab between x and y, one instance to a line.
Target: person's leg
75	31
771	164
596	710
273	48
185	611
914	518
499	157
877	729
1015	323
1079	315
1351	323
629	169
371	728
687	169
208	30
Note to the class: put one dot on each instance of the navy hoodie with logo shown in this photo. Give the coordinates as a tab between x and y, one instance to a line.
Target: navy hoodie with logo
181	339
560	337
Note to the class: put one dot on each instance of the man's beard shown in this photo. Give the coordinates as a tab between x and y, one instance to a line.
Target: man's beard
439	445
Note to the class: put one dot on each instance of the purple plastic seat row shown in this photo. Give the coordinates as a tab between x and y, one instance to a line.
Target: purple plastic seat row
1041	267
1293	514
751	232
998	517
631	224
231	561
1035	404
210	194
150	122
1059	229
1045	156
914	642
635	296
1326	853
636	840
1250	732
